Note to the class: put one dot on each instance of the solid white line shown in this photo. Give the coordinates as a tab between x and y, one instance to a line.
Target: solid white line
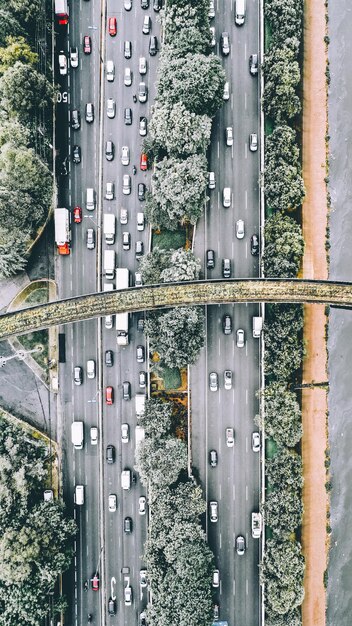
245	150
245	100
247	586
246	493
246	199
234	492
220	541
219	346
246	396
234	588
220	491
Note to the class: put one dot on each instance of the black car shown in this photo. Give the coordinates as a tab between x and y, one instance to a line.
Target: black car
213	458
110	454
109	150
127	525
140	324
109	358
227	324
254	245
139	249
76	154
216	612
142	619
75	119
126	390
127	49
153	46
210	259
112	606
157	4
145	4
127	116
141	192
226	268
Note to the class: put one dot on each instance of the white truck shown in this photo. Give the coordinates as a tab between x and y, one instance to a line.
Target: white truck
62	219
126	479
139	434
109	264
77	435
109	228
140	405
256	525
122	282
257	326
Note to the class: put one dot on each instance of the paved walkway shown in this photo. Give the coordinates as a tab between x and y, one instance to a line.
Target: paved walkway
9	288
314	401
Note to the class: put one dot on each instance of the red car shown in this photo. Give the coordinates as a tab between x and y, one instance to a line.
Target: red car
144	162
95	582
77	215
109	395
112	26
87	44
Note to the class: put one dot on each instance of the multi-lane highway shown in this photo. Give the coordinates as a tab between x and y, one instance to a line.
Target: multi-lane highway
234	483
103	547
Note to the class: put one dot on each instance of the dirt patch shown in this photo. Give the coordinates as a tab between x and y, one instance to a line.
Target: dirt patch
314	401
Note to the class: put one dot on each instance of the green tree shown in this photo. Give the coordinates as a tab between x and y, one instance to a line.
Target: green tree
157	418
24	92
177	335
17	49
26	10
13	251
187	40
196	80
292	618
160	461
282	77
174	129
14	133
283	340
283	512
284	246
183	266
282	572
283	420
9	24
285	17
179	190
181	17
152	264
284	470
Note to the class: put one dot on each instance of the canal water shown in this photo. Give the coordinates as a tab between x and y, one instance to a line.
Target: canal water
339	599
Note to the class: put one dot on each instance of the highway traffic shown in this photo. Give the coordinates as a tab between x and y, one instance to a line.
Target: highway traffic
115	76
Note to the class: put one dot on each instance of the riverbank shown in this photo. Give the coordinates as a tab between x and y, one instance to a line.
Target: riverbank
315	265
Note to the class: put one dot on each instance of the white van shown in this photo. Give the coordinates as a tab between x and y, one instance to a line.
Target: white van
79	495
110	71
240	12
91	368
140	221
126	479
90	199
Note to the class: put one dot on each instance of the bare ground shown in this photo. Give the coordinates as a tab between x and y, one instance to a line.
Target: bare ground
314	401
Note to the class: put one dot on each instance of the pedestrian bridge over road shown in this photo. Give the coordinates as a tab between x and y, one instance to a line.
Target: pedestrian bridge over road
154	297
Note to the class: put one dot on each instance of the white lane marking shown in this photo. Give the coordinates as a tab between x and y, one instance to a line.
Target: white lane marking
245	100
220	491
220	541
246	396
247	586
218	149
234	588
246	444
246	348
113	583
232	151
246	199
245	50
246	250
245	150
246	493
219	346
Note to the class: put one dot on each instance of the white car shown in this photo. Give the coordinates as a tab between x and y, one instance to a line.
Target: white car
138	279
91	368
125	433
142	126
112	502
253	142
211	12
213	381
226	197
127	77
226	95
140	221
128	595
62	63
110	71
93	435
229	136
240	338
110	108
123	216
255	442
109	322
125	155
240	229
127	5
212	37
142	65
230	437
142	505
110	191
213	511
143	578
48	495
228	379
74	56
216	579
126	184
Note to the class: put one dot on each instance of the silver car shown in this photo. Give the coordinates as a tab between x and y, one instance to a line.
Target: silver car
228	379
126	184
240	229
253	142
213	381
213	511
125	155
240	338
110	108
256	442
125	433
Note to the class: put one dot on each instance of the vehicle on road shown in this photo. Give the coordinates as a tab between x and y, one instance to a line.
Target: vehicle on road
125	155
227	324
143	578
227	380
128	595
153	46
143	125
240	229
127	5
74	56
240	338
253	142
142	92
147	24
140	354
126	184
127	49
229	136
157	4
91	368
141	198
230	437
76	154
62	63
109	150
215	579
210	259
240	545
226	95
110	108
142	505
77	215
112	606
257	325
127	525
126	479
254	245
138	282
110	191
112	26
93	436
110	71
142	379
90	239
78	375
216	612
213	381
109	395
213	458
127	77
256	525
240	12
213	511
143	619
127	116
139	249
143	162
226	197
125	433
112	502
87	44
126	390
145	4
89	115
77	435
226	268
110	454
211	180
109	358
212	41
253	64
225	43
95	581
75	119
142	65
256	442
123	216
211	11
